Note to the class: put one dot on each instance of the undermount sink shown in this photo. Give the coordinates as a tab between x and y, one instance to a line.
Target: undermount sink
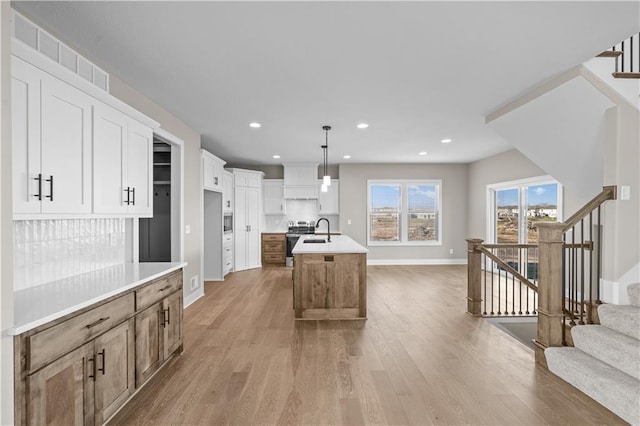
315	241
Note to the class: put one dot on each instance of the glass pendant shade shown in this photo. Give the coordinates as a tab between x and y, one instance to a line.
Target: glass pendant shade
326	180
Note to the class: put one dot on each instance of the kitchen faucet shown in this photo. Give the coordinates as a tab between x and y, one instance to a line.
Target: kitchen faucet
328	227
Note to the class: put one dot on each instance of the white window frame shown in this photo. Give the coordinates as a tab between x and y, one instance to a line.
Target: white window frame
516	184
404	210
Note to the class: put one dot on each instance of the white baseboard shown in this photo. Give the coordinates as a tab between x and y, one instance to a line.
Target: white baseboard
193	297
377	262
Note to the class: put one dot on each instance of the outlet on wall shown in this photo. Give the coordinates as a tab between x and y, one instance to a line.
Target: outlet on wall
195	283
450	251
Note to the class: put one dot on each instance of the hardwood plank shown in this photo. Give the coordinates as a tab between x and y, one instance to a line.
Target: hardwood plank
418	359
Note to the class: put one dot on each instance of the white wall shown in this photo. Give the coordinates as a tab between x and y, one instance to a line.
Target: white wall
6	225
192	188
353	206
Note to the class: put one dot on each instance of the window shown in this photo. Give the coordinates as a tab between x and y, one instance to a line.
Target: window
404	212
516	208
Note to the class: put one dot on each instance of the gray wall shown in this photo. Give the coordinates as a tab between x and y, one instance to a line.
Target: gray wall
353	206
192	185
277	171
504	167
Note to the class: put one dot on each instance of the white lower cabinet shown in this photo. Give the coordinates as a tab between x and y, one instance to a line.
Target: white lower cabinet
227	253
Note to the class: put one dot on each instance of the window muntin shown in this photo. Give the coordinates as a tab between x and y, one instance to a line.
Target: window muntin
404	212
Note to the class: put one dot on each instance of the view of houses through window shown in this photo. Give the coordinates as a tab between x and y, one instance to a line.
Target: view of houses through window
404	212
519	209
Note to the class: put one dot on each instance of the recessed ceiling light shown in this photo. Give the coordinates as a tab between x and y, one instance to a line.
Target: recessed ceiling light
445	140
362	126
254	125
346	157
276	156
422	153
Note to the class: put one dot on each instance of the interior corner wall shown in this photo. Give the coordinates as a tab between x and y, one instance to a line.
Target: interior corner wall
353	207
621	263
6	223
503	167
192	186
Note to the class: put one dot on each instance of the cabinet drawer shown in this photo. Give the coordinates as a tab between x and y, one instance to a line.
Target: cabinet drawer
273	246
47	345
227	238
157	290
273	258
273	237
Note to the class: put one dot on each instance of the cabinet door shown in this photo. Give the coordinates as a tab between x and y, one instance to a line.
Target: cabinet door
274	202
65	128
328	202
62	392
253	220
140	169
115	370
240	229
110	156
227	180
171	324
25	136
147	343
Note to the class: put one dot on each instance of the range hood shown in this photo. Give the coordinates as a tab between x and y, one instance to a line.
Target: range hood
300	181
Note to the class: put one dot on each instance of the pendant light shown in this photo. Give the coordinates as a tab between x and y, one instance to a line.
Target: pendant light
326	179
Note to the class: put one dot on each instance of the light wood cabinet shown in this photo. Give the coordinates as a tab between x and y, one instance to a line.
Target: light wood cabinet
122	151
273	249
212	171
330	286
51	144
82	368
273	195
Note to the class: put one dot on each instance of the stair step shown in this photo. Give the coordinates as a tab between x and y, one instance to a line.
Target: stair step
624	319
609	54
612	388
617	350
626	74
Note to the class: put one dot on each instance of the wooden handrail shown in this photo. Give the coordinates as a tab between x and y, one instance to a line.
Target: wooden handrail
510	245
507	268
608	193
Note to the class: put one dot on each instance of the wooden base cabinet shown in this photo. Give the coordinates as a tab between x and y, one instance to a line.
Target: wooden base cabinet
80	369
274	249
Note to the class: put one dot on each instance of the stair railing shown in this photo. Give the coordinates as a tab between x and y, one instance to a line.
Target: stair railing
560	275
502	279
627	57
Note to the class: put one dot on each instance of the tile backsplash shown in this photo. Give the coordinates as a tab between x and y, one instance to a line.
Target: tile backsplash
49	250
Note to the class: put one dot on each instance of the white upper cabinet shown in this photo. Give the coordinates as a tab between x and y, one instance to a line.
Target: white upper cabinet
273	195
329	202
122	174
300	180
51	144
212	171
76	154
227	192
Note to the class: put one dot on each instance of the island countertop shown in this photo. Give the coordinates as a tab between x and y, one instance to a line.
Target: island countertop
338	244
38	305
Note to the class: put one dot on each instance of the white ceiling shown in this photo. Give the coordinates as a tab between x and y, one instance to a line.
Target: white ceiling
417	72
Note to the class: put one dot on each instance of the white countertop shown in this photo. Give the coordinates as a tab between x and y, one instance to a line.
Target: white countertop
38	305
338	244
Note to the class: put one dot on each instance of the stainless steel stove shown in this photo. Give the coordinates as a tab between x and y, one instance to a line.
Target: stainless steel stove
295	230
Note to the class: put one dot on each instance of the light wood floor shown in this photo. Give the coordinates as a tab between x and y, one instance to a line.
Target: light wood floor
418	359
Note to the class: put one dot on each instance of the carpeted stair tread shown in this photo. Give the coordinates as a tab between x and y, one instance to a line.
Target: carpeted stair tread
633	291
617	350
612	388
624	319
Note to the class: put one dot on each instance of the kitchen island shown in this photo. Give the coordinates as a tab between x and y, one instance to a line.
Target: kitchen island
329	278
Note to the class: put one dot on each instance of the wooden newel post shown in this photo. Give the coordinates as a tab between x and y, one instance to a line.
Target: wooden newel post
474	277
550	303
